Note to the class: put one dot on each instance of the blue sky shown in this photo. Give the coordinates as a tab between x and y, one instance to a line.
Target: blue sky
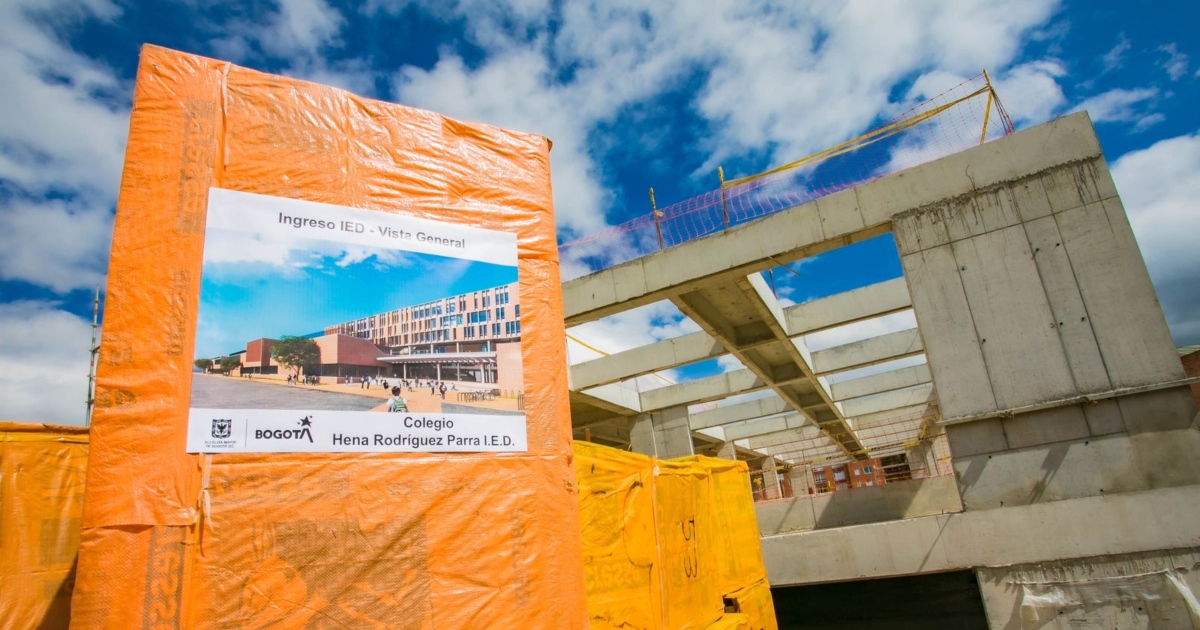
638	94
311	287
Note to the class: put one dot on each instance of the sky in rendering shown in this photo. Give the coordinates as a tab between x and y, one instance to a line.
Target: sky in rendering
312	284
634	94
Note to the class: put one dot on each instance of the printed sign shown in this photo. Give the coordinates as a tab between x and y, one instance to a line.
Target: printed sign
325	328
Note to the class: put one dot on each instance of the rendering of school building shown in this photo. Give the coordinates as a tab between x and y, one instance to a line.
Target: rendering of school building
472	337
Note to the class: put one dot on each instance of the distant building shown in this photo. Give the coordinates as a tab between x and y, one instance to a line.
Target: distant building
1190	356
472	337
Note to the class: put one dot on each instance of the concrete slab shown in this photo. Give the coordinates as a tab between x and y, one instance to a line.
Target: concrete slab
1094	526
888	401
741	411
897	345
874	300
1066	306
1061	424
1079	468
690	348
1025	360
894	501
1129	325
882	382
954	356
702	390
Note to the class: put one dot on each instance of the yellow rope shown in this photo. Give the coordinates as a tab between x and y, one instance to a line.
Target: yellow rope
868	138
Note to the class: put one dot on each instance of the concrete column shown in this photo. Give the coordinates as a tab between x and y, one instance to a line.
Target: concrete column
770	478
727	451
664	434
1046	343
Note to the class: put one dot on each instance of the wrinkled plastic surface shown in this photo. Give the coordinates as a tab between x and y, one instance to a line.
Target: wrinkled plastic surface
653	555
755	602
731	621
315	541
683	511
738	549
620	549
42	471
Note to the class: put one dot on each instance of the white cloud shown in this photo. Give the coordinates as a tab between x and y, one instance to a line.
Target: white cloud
59	146
43	364
1176	64
1160	187
1120	105
1114	58
299	32
789	79
56	244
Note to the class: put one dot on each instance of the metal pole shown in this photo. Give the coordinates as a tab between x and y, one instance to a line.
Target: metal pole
987	110
724	207
657	225
94	349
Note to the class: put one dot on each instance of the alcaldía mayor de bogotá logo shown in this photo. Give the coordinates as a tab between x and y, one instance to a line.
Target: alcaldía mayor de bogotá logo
222	427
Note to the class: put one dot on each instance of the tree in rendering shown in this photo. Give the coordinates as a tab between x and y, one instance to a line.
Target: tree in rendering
229	363
203	364
296	353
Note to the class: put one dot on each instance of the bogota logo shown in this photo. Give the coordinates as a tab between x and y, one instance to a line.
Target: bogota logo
221	428
287	434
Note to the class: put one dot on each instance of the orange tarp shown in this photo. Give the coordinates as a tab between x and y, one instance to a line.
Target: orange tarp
326	540
41	499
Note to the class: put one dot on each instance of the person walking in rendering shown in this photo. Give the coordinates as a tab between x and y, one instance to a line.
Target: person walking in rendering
396	404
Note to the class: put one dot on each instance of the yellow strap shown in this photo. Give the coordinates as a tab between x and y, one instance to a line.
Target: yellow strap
866	139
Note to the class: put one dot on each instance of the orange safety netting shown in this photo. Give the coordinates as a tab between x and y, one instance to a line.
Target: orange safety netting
318	540
957	119
42	470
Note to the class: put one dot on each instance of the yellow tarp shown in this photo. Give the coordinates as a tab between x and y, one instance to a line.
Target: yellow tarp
664	541
755	602
620	554
41	499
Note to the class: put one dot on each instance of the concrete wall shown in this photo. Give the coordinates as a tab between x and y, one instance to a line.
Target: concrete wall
1142	590
1191	367
1133	522
1037	292
899	500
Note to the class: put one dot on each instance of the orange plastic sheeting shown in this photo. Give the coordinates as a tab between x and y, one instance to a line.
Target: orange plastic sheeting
755	602
42	471
738	550
620	552
320	540
730	621
686	544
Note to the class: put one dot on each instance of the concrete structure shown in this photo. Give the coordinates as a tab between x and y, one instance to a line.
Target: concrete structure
1190	357
1051	389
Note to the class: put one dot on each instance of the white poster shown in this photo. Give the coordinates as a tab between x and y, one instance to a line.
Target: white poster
324	328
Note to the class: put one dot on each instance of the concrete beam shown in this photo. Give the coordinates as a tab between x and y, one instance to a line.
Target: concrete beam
830	222
897	345
988	538
615	398
702	390
663	355
763	426
882	382
742	411
892	416
870	301
891	400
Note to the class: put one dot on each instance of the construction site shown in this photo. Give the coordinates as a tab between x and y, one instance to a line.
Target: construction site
1001	435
